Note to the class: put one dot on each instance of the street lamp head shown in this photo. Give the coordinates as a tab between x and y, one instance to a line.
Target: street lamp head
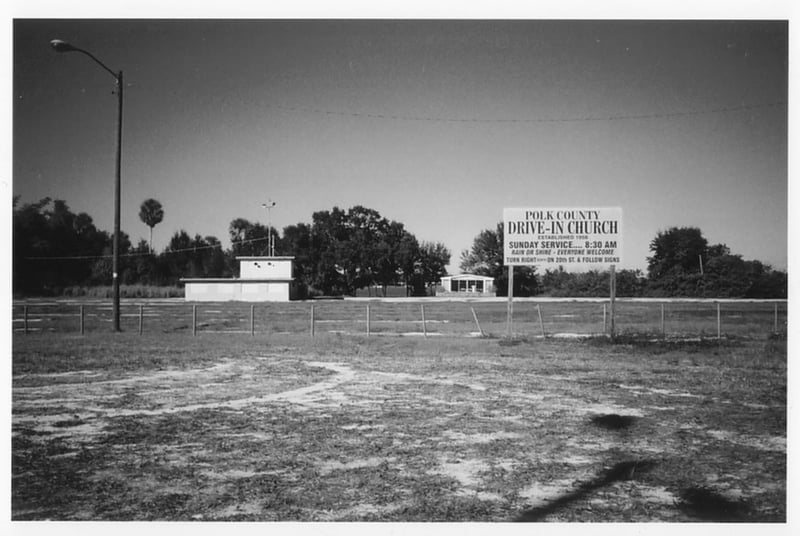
62	46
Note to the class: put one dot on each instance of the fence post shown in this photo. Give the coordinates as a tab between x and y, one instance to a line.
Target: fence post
81	315
476	321
194	320
312	319
776	317
613	292
510	306
424	328
663	324
541	322
252	320
368	326
25	319
719	323
604	318
141	318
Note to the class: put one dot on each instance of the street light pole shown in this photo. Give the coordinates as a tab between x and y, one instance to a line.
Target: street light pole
62	46
270	247
117	203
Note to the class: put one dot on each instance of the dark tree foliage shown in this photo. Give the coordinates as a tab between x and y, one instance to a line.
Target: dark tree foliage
676	251
343	251
596	284
53	248
684	265
486	258
151	213
193	257
431	267
338	253
486	255
141	267
296	242
251	239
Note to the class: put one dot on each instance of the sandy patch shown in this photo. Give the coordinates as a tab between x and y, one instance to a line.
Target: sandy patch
480	495
656	494
402	377
638	389
335	465
360	511
234	474
607	409
464	471
459	437
770	443
540	493
232	510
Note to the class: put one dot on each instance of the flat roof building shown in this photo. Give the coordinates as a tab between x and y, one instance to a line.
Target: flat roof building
466	284
260	279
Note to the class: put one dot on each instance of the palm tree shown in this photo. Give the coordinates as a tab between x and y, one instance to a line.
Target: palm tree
151	214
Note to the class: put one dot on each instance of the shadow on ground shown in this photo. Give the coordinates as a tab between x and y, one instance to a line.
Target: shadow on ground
621	471
707	505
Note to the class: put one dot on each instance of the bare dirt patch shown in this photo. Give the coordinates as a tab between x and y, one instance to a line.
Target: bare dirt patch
405	430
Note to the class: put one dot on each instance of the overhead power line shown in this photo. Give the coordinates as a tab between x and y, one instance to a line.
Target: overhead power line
576	119
620	117
142	254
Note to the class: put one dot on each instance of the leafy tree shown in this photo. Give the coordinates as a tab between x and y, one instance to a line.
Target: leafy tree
408	258
54	248
345	250
676	251
730	276
358	254
432	266
211	256
486	255
486	258
327	231
593	283
771	284
630	283
193	257
151	213
397	252
297	243
141	267
250	239
674	269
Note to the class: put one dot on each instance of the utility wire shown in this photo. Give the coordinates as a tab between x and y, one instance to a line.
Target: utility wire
578	119
664	115
392	117
88	257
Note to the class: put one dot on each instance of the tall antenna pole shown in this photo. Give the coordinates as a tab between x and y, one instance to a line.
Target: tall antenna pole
270	245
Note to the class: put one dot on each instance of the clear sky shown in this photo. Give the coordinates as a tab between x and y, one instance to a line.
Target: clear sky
439	124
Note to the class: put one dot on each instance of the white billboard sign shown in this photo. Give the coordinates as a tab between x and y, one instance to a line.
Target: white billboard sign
575	238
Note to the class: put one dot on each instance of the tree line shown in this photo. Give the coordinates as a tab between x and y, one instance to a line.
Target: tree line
682	264
341	251
338	253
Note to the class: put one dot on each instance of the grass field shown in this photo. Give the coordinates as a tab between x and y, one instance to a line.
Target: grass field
279	427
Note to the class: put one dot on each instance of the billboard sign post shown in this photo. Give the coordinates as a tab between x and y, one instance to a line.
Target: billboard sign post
588	238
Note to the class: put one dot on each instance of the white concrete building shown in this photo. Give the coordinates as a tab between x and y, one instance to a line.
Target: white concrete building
260	279
466	285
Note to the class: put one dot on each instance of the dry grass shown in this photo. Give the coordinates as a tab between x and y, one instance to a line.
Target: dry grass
283	428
